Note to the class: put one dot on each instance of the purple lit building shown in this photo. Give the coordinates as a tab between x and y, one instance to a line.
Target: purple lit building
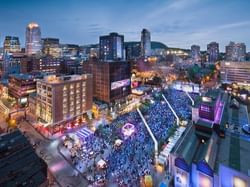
209	106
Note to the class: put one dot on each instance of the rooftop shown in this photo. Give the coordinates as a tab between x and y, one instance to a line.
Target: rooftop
183	148
28	76
33	25
19	164
234	153
22	76
53	79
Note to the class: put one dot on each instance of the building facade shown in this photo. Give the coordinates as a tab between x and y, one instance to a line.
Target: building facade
133	50
71	67
213	52
10	64
145	43
195	54
11	44
236	52
63	99
42	64
235	72
70	50
111	80
111	47
51	47
205	155
21	86
33	43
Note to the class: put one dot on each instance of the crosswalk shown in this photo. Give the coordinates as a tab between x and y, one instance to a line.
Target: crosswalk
84	133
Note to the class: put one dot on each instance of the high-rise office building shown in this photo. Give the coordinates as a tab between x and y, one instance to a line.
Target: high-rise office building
51	47
236	52
133	50
70	50
111	80
10	64
213	51
195	53
111	47
33	39
89	51
145	43
11	44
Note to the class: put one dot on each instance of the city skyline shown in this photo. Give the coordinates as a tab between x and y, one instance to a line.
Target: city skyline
185	23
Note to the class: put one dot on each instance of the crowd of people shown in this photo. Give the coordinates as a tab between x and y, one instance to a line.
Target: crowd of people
160	118
180	102
134	158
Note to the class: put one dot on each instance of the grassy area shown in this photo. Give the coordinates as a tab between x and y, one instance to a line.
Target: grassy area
234	156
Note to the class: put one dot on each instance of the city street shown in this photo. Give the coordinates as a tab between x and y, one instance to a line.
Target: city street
64	173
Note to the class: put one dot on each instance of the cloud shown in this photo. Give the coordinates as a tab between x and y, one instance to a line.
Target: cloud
234	25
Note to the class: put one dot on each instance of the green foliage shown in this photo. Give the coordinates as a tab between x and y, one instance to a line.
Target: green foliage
194	72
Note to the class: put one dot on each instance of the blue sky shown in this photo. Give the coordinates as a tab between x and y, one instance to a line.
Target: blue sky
177	23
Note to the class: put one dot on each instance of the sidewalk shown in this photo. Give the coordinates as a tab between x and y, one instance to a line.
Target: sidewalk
66	155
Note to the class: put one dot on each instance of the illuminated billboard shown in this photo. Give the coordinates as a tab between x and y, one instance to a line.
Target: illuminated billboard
119	84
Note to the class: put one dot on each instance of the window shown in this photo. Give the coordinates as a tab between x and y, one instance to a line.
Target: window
238	182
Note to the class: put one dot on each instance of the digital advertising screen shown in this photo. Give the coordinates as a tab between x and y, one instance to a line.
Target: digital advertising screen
119	84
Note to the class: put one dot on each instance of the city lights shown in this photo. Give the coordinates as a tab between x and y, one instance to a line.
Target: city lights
124	93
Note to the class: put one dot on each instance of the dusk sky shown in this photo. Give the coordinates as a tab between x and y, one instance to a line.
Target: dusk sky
177	23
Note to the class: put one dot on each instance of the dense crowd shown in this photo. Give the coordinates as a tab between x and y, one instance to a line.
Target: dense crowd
134	158
180	102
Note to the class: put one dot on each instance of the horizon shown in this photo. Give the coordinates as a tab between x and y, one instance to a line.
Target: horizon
190	22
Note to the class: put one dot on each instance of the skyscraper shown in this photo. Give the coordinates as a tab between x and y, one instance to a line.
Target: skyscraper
213	51
70	50
11	44
145	43
33	39
236	52
111	47
51	47
195	53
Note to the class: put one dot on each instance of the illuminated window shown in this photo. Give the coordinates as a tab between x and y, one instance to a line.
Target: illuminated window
205	181
238	182
205	108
